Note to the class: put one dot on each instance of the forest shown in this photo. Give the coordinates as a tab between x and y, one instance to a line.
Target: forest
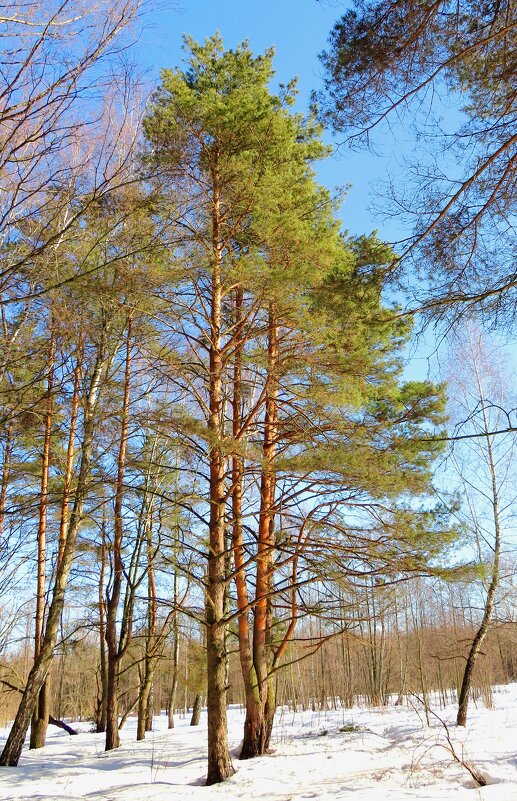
222	482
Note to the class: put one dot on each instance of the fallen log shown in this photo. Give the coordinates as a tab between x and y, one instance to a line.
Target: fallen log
52	721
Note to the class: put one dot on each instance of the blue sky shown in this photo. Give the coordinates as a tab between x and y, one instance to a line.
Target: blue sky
298	29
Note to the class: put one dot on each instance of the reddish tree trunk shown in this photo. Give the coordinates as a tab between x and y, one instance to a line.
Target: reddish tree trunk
219	762
259	685
249	675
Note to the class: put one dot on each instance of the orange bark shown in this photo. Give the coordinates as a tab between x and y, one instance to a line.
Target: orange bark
260	701
219	762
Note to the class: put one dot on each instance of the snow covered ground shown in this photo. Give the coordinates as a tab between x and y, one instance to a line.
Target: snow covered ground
387	754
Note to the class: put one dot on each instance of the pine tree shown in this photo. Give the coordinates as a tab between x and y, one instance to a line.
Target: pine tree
208	127
388	59
283	348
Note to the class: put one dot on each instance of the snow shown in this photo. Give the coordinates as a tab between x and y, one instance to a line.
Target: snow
359	754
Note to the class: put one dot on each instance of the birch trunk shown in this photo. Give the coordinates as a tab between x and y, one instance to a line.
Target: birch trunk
466	684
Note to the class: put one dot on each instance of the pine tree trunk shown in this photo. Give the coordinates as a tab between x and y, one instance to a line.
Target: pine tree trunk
219	762
254	711
260	702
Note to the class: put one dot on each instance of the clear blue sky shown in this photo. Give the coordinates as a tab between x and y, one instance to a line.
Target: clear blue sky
299	30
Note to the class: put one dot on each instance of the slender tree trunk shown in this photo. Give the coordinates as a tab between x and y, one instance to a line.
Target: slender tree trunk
175	643
402	657
69	468
6	472
477	642
219	762
143	700
114	648
245	653
150	644
259	684
127	712
102	709
41	712
175	667
423	677
150	705
37	675
196	711
112	735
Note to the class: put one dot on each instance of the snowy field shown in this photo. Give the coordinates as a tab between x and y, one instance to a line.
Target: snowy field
386	755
